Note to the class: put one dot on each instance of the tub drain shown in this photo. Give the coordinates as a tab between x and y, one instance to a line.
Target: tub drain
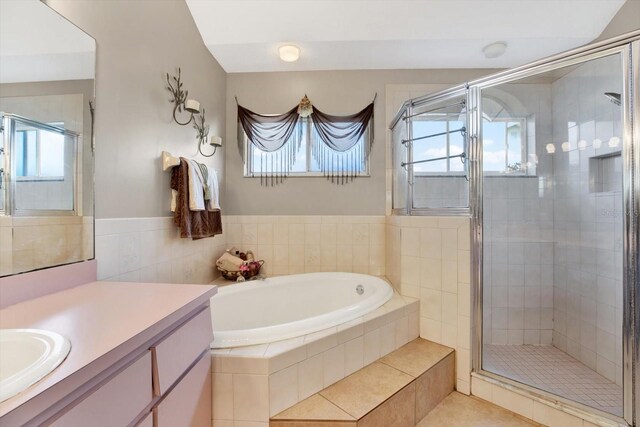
360	289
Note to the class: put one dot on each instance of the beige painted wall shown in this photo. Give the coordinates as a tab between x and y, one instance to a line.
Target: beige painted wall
336	92
138	42
627	19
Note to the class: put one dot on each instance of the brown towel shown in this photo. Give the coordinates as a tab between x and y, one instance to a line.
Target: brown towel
194	224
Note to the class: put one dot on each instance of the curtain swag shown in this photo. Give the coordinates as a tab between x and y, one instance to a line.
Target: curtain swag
334	140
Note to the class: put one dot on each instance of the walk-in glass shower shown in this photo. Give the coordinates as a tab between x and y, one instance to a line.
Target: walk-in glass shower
546	161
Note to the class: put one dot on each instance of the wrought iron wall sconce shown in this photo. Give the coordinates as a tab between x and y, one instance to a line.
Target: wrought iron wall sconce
182	103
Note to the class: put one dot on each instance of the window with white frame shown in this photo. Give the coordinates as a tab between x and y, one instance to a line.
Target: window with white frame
258	162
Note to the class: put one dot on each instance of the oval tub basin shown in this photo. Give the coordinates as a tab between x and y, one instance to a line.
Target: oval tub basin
279	308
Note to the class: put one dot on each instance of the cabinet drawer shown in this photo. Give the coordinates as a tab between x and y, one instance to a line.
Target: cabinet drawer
189	403
174	355
116	403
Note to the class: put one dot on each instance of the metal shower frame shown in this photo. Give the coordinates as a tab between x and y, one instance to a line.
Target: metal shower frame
628	47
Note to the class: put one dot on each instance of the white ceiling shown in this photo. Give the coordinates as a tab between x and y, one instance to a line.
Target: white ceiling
244	35
37	44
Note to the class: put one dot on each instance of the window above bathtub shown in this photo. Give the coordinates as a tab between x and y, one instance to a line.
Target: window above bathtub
307	153
305	141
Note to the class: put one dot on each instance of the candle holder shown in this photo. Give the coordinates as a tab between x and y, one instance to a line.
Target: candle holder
182	103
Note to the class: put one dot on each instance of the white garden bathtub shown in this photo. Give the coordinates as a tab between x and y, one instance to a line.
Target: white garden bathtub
278	308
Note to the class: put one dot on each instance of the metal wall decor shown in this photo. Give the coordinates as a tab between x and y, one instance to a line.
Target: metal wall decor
182	103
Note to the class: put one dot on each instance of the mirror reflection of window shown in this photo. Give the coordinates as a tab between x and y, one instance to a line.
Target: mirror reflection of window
39	154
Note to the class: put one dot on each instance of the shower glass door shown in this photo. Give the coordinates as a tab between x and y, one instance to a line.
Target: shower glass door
552	236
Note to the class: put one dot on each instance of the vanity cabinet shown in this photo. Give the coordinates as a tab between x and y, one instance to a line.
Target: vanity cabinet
189	403
182	375
116	403
168	385
145	364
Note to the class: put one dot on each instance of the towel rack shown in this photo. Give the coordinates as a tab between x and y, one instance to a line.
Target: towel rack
168	161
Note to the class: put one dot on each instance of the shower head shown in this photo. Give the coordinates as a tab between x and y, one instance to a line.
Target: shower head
613	97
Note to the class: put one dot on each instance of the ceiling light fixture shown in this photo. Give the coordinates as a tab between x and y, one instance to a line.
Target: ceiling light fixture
289	53
494	50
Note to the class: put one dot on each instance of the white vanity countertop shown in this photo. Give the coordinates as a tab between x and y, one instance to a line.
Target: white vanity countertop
104	321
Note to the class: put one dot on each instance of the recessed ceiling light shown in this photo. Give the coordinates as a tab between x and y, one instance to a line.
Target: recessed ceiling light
289	53
494	50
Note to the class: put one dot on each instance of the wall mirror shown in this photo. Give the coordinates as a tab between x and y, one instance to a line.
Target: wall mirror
47	79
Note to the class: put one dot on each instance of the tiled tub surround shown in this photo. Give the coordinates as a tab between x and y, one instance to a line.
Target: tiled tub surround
29	243
250	384
150	250
307	244
429	258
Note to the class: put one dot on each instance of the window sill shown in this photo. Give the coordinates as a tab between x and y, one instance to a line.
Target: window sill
39	179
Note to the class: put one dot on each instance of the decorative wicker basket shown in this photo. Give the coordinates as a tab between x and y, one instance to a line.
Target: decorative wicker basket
253	270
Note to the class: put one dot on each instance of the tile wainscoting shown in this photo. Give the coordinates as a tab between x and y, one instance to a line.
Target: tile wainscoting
151	250
306	244
429	258
29	243
423	257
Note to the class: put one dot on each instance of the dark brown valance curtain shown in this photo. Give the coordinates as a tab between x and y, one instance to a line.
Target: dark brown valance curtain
268	133
342	133
334	141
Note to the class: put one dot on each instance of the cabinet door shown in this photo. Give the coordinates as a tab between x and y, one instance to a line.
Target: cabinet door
176	353
189	403
116	403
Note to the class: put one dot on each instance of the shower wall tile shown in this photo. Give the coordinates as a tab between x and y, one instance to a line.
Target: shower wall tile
588	217
518	261
518	232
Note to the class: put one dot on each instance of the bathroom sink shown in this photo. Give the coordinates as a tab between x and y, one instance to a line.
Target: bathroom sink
27	355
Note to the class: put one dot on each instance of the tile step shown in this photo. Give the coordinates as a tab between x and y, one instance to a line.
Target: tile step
398	389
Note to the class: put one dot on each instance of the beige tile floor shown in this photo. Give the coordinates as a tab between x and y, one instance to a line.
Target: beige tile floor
549	368
459	410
